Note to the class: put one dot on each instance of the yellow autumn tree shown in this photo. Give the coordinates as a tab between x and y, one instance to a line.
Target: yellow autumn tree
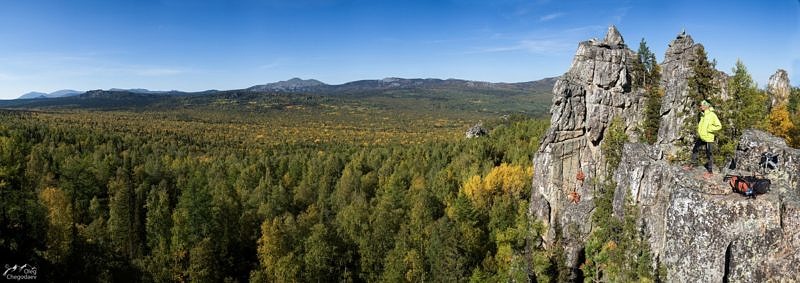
507	179
59	220
780	124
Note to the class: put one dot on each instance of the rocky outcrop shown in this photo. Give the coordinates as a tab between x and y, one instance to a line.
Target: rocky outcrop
778	88
596	89
698	230
701	231
476	131
675	73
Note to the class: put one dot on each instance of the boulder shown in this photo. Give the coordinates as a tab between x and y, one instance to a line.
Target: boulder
476	131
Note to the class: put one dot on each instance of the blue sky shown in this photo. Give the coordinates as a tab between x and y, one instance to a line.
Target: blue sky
198	45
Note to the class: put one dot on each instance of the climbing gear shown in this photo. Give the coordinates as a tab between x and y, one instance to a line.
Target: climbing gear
574	197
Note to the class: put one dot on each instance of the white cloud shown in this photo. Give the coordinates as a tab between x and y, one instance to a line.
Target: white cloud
550	17
7	77
536	46
274	64
156	72
620	13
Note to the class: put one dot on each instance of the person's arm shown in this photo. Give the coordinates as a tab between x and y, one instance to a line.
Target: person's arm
713	123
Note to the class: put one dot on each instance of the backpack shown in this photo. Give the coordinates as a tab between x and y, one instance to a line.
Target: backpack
748	185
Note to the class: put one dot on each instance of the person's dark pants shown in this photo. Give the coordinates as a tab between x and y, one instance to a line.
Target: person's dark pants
699	144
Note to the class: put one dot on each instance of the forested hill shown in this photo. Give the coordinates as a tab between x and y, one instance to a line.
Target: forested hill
529	98
364	182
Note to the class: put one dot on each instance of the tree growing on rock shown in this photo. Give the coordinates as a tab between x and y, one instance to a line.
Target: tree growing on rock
747	105
793	107
647	75
746	108
615	250
701	86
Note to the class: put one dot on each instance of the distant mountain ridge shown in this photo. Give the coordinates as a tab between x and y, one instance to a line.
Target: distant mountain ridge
298	85
389	94
60	93
294	84
311	85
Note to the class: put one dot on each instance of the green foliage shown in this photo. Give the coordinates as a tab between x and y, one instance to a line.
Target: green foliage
646	71
615	138
794	116
745	108
647	75
149	197
158	226
23	226
701	83
701	87
652	114
747	105
794	100
121	214
615	250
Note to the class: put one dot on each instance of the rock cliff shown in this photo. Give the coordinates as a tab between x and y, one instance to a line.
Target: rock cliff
703	232
698	230
675	73
596	88
779	88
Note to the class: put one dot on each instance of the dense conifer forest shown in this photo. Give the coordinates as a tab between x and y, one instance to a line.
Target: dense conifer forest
209	196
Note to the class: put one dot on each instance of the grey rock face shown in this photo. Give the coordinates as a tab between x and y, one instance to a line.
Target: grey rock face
613	37
699	230
676	71
779	88
703	232
476	131
596	88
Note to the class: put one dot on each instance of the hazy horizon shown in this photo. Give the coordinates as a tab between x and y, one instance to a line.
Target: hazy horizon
189	46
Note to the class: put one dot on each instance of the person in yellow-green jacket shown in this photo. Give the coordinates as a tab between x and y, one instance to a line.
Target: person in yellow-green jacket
709	124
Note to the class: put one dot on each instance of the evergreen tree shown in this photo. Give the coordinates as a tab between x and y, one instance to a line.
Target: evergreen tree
701	83
25	222
793	107
645	69
648	76
747	106
191	223
701	87
203	265
615	250
158	225
121	212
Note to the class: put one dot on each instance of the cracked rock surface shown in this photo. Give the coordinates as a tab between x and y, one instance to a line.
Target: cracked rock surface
702	231
698	230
